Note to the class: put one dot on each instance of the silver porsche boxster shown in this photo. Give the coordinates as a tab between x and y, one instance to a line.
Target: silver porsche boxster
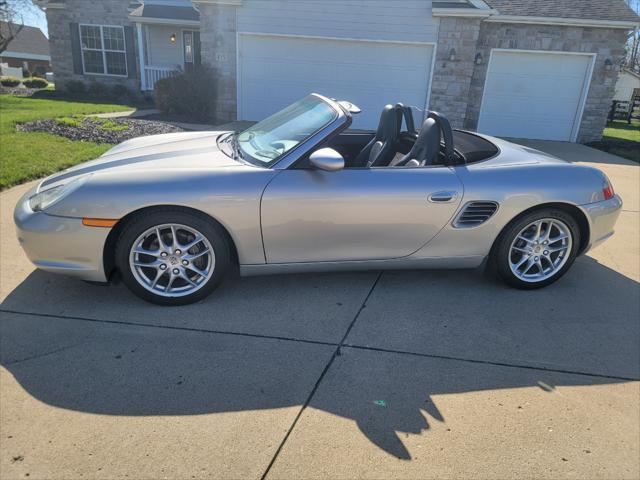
297	192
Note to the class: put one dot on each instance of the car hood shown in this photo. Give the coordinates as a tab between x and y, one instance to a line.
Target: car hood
183	151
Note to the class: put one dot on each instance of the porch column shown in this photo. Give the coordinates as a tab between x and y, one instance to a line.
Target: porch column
143	73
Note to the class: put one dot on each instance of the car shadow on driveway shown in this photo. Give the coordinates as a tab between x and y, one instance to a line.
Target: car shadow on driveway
90	364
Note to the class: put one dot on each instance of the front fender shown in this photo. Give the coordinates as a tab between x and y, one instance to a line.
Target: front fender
229	195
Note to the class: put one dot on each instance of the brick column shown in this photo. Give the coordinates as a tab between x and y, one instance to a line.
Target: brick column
218	37
452	78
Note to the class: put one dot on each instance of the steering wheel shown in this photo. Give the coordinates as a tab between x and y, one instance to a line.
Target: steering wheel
248	137
270	154
278	147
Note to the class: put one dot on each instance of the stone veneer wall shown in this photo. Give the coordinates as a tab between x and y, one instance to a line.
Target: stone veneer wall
457	85
103	12
606	43
218	46
452	79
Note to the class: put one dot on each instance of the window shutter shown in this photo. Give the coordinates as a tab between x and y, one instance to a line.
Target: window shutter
197	60
129	43
76	51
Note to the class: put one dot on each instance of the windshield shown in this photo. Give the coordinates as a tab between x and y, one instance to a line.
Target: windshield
267	141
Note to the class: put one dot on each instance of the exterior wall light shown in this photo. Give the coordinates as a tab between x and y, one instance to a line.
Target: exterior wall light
172	38
452	55
478	60
608	64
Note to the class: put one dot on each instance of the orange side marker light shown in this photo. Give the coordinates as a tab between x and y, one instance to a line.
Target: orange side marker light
99	222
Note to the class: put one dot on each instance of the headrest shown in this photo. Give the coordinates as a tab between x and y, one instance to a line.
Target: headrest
388	126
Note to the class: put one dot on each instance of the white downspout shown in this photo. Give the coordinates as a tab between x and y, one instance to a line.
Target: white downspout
143	73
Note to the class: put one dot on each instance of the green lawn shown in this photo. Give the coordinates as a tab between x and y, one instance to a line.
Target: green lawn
25	156
622	139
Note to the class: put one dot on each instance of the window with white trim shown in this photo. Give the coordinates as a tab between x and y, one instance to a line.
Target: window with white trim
103	50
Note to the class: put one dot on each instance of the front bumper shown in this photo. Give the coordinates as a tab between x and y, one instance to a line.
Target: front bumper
60	244
602	219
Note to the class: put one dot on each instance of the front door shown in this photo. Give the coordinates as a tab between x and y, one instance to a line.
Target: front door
191	49
355	214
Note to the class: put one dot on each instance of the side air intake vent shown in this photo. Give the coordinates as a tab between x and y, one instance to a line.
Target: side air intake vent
474	214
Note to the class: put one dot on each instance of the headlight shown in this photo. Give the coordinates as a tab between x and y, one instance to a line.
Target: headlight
46	198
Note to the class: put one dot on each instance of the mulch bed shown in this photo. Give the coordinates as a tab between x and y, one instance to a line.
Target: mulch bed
19	91
90	130
622	148
605	145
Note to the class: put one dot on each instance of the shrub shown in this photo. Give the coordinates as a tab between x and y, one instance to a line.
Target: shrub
98	89
35	82
188	93
39	71
120	90
76	86
111	126
69	121
10	82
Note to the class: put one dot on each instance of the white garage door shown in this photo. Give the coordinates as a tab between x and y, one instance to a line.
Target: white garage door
276	71
534	95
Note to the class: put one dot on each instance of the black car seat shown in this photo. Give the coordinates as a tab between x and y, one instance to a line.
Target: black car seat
382	148
426	149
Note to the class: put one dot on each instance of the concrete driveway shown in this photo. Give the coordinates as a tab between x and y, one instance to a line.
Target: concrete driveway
395	375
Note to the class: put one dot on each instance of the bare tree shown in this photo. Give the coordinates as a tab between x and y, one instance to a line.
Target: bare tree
11	13
632	60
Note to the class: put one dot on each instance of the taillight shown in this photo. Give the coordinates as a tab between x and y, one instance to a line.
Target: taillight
607	189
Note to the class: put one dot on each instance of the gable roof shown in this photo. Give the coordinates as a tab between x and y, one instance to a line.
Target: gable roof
167	12
615	10
30	40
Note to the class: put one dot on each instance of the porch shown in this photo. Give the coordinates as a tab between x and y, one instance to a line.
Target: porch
168	39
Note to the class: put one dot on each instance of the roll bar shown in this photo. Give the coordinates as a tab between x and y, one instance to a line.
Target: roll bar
447	136
405	112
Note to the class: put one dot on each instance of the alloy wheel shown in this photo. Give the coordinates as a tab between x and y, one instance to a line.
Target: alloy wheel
540	250
172	260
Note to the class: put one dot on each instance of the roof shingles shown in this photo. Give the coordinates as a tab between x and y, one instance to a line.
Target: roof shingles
167	12
29	40
615	10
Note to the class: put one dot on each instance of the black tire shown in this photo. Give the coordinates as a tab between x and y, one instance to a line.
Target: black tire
143	221
502	252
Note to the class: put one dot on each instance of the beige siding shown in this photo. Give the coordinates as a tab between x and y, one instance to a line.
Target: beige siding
404	20
161	52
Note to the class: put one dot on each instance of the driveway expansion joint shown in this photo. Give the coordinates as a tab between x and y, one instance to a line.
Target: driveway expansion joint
491	362
171	327
342	344
320	378
41	355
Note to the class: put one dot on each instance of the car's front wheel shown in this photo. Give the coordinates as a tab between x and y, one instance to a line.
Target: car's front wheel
172	257
537	249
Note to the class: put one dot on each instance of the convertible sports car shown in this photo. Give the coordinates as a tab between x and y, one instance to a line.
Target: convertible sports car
172	214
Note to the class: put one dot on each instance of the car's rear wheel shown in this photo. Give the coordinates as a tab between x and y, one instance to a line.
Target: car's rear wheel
537	249
172	257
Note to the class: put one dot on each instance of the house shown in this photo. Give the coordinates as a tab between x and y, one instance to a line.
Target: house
28	50
515	68
628	81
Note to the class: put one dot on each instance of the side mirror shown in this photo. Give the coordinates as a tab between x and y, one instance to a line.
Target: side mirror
327	159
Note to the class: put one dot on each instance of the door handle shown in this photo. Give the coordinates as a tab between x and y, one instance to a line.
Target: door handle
443	197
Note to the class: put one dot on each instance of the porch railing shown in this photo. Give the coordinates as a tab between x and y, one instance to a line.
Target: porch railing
153	74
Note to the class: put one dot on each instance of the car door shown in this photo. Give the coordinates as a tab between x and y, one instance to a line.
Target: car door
355	214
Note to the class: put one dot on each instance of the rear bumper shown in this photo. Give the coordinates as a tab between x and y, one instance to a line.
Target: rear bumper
602	219
60	244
